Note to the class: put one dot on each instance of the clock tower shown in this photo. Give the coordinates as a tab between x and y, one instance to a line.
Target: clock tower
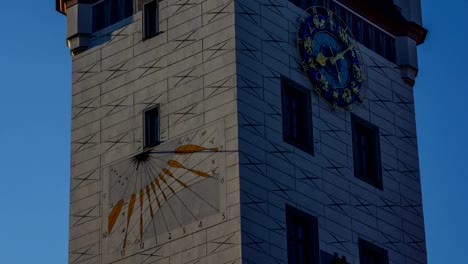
244	131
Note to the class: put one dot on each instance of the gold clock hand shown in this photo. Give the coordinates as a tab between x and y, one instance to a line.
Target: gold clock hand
321	59
340	55
339	74
336	66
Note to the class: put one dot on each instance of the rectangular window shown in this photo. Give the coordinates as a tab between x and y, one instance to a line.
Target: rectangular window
109	12
302	232
150	19
297	117
390	48
151	127
371	254
366	150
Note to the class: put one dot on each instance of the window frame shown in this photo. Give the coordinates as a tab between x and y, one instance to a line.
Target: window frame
295	216
112	12
147	35
366	247
304	141
373	176
151	130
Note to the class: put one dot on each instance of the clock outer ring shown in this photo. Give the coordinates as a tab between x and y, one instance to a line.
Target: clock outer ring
327	96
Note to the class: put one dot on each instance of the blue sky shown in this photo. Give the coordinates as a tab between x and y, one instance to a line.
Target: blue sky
442	120
35	111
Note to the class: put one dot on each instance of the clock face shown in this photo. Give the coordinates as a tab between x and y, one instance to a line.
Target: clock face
164	193
331	58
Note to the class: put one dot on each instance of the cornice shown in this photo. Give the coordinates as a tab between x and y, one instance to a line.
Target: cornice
62	5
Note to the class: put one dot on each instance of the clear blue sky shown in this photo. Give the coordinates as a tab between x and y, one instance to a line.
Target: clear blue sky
34	125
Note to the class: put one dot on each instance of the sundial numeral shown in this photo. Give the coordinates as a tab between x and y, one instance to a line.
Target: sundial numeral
165	172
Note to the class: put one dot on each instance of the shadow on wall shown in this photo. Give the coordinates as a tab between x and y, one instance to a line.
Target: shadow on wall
109	33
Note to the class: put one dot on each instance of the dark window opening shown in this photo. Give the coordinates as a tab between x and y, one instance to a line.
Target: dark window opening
366	152
151	127
371	254
302	232
109	12
150	19
297	117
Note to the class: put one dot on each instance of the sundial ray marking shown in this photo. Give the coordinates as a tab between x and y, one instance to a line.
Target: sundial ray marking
131	206
167	200
160	208
116	210
169	173
176	164
142	193
199	150
208	157
149	174
185	172
129	229
175	193
148	196
212	136
164	181
152	212
115	214
181	150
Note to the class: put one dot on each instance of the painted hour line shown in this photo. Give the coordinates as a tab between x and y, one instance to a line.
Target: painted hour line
163	190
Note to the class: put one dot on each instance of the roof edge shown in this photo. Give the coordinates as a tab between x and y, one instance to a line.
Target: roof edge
60	6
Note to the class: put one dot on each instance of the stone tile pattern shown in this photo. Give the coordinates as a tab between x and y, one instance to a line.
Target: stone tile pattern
274	173
206	50
189	71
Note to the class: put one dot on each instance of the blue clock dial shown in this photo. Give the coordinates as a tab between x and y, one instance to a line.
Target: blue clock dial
335	71
331	58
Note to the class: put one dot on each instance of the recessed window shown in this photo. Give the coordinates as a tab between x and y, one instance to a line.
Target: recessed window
371	254
150	19
151	127
297	117
303	242
366	152
109	12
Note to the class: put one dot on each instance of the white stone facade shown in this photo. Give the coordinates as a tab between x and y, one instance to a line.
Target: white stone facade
217	66
274	173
